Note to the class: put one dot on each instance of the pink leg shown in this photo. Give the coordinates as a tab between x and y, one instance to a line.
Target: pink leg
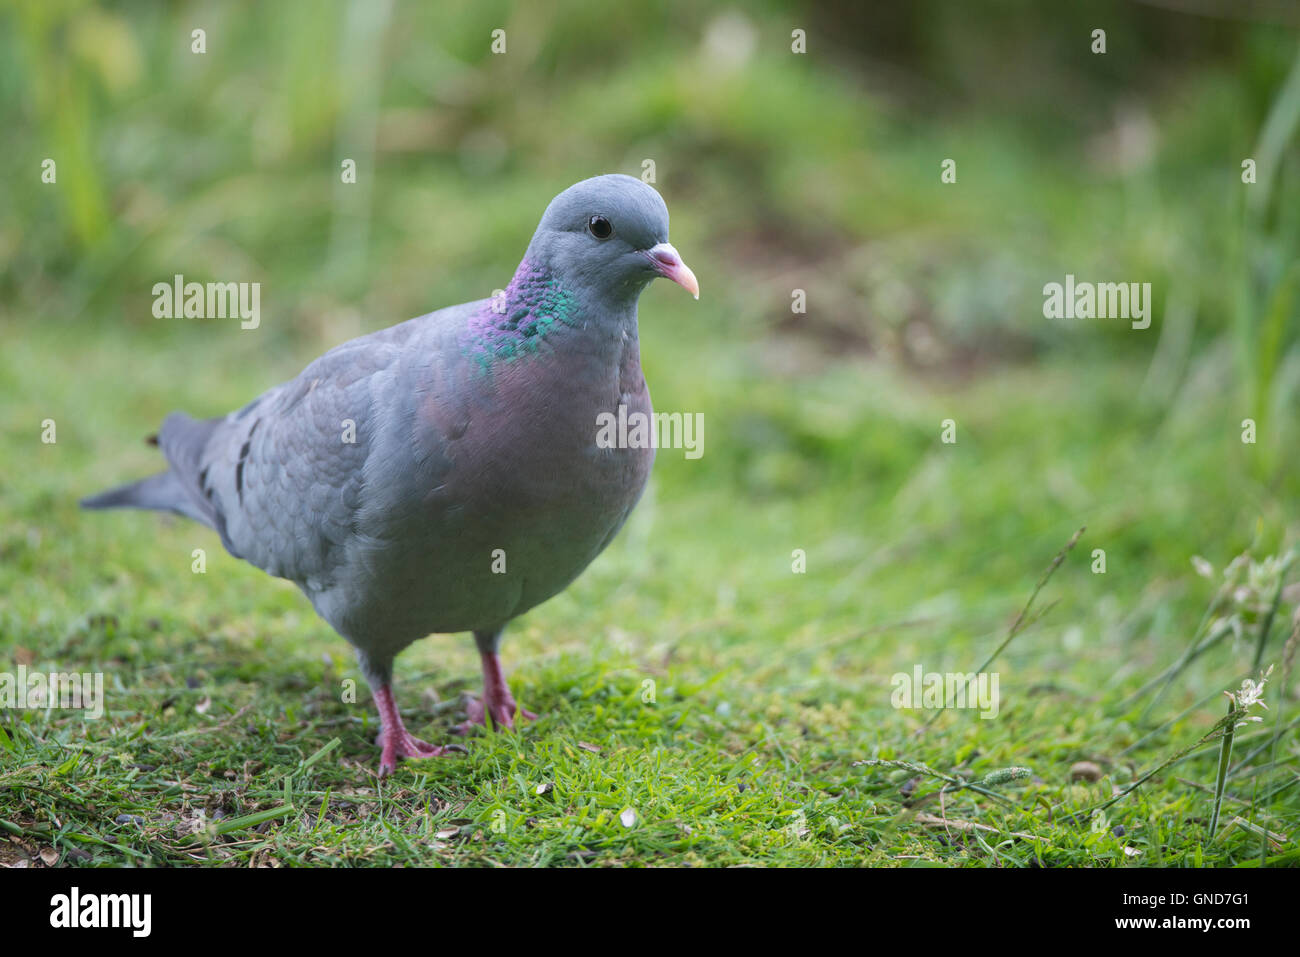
394	740
497	702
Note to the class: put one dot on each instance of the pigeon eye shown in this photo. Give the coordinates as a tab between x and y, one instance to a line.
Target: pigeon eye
600	227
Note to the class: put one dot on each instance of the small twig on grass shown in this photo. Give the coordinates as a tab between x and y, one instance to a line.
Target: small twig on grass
931	820
952	782
1273	838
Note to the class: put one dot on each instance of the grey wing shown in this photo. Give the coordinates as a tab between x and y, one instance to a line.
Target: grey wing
281	480
341	456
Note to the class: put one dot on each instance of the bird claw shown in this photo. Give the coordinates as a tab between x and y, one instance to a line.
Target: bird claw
502	710
401	744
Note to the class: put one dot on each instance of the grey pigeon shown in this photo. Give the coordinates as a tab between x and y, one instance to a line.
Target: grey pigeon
444	474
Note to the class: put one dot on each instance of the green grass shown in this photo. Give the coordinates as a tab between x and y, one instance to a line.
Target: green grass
228	739
740	710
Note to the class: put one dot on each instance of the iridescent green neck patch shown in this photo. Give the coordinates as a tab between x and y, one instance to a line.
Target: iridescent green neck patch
514	325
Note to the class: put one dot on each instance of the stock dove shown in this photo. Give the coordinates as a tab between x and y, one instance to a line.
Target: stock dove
444	475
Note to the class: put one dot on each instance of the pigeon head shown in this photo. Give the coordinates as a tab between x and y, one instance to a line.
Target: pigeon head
607	237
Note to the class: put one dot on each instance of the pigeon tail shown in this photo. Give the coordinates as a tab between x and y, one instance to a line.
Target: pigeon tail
162	492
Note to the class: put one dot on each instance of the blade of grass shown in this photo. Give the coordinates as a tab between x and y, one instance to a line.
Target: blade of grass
1022	620
1225	757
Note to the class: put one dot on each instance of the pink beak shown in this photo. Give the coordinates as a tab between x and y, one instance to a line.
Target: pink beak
669	265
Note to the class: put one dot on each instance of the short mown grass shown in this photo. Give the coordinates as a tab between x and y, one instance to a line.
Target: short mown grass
701	702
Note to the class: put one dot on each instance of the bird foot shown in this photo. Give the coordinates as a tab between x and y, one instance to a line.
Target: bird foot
402	744
503	710
395	742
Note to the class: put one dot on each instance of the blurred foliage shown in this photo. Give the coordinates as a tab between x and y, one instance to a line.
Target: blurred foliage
822	164
817	171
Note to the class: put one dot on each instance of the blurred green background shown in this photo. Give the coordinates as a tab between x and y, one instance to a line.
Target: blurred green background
817	171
